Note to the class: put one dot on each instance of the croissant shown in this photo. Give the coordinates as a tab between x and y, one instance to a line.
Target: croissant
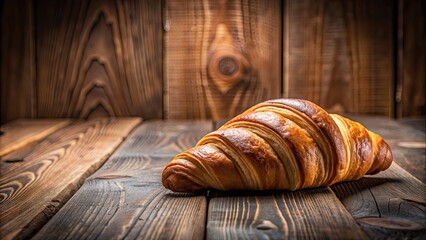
282	144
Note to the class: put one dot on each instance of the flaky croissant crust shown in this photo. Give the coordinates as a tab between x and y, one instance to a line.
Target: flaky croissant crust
282	144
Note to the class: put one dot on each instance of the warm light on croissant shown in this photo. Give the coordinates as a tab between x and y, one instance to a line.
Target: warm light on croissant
283	144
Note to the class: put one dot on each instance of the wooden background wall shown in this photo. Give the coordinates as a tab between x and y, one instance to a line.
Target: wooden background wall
209	59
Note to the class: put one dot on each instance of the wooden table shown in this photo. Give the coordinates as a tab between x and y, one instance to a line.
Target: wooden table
100	179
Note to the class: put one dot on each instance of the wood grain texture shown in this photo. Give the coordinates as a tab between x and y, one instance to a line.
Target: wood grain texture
221	57
339	54
32	190
17	61
99	58
304	214
407	143
389	205
21	132
125	199
413	65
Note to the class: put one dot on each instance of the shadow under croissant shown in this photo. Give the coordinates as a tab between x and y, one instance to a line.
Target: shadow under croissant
362	184
345	190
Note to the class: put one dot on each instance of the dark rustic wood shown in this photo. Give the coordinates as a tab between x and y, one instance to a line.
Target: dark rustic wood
17	61
303	214
21	132
339	54
221	57
99	58
32	190
390	204
412	55
408	144
125	198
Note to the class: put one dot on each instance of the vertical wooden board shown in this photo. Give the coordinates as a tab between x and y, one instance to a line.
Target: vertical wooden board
390	204
21	132
125	199
339	54
17	61
32	190
221	57
304	214
413	99
99	58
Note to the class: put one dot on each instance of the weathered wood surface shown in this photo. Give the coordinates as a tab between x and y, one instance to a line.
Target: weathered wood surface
391	204
339	54
17	60
304	214
125	199
18	133
408	144
226	54
51	170
99	58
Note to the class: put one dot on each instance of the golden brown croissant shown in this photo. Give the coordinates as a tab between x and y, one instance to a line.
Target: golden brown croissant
284	144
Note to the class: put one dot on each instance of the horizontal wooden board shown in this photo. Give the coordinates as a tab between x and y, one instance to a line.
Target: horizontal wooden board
125	199
303	214
391	204
23	131
51	170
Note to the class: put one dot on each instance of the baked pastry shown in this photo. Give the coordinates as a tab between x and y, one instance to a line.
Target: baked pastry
283	144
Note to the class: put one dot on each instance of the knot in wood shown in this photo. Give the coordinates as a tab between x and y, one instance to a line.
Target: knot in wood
266	225
227	66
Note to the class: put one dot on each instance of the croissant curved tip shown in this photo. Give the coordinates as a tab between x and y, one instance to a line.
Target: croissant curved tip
179	183
386	155
383	159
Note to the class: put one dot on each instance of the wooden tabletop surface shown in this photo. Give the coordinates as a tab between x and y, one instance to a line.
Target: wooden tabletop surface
101	179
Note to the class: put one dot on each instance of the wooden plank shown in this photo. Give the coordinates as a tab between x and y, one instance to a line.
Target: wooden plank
408	144
24	131
125	199
390	204
304	214
32	190
339	54
412	64
99	58
227	54
17	61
